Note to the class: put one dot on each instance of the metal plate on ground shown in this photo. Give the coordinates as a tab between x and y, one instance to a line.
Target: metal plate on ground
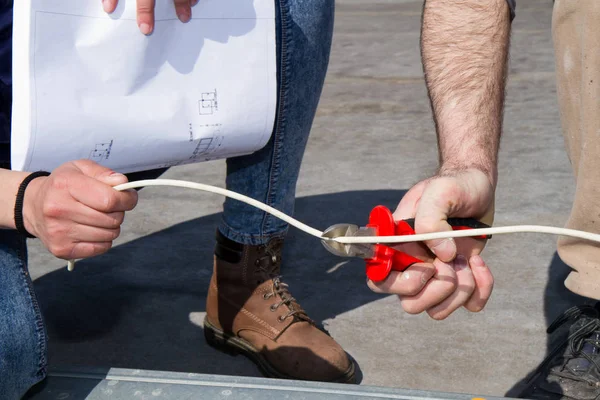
159	385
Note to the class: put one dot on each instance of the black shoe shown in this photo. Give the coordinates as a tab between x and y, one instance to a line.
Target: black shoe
572	369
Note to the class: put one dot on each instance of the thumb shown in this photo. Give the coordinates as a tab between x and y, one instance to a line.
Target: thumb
408	205
112	178
432	214
101	173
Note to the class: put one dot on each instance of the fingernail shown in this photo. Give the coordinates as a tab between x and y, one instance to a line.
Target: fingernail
105	6
145	28
478	262
194	2
445	246
115	176
460	263
371	285
183	17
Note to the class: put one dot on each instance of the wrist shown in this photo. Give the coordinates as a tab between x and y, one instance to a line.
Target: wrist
25	203
30	195
454	167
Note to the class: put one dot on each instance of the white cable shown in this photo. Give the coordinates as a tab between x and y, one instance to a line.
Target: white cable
359	239
226	193
472	232
217	190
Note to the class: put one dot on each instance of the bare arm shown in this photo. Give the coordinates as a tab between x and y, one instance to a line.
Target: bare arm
464	45
10	181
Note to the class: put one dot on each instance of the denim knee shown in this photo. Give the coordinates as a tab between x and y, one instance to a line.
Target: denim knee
22	333
304	32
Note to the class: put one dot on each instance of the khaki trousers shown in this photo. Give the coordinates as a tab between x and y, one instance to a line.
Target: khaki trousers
576	35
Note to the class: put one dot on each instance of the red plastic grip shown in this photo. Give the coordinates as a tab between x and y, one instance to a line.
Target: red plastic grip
387	259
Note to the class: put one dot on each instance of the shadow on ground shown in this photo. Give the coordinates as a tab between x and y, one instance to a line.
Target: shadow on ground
141	305
557	299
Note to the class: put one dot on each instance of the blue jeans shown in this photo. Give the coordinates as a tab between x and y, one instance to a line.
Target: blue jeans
304	31
22	334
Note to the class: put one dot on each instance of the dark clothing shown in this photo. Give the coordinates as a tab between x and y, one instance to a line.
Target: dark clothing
5	81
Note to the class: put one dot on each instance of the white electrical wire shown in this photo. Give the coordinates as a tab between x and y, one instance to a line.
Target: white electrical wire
473	232
359	239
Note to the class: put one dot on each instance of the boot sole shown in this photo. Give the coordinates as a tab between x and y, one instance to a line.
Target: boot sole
233	345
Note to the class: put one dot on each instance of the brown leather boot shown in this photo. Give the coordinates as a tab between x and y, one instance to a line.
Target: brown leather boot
250	311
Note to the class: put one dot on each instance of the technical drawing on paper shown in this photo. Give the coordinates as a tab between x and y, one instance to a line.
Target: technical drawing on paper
101	151
202	149
208	103
207	145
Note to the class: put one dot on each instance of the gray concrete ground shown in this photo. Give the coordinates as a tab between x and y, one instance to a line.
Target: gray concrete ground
141	305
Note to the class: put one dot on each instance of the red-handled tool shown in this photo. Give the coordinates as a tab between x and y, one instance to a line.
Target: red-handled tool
380	258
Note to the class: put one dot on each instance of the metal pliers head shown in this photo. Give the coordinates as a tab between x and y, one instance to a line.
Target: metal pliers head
344	249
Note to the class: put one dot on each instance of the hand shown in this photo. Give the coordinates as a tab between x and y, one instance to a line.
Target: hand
145	12
75	211
453	274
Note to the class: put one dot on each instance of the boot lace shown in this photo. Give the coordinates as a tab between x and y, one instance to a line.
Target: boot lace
581	344
269	265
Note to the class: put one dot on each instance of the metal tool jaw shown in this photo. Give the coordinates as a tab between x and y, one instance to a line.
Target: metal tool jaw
348	250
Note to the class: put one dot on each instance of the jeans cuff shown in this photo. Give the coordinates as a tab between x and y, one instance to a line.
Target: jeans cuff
249	238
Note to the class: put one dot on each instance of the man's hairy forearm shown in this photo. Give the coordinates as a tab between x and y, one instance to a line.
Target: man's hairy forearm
464	45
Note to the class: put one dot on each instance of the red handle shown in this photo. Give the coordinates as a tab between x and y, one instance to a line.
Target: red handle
387	259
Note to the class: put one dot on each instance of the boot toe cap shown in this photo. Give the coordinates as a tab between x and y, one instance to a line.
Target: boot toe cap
310	354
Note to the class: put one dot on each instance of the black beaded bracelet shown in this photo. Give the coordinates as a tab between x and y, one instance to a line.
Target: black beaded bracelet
19	202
